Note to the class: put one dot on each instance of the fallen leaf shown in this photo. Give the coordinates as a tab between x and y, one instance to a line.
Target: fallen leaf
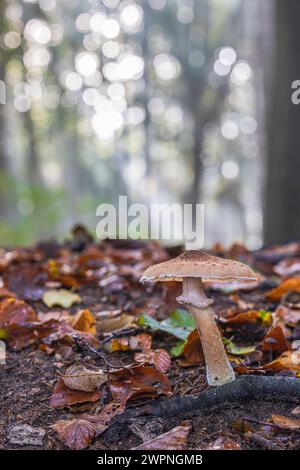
275	341
223	443
287	315
84	321
60	297
157	357
78	433
236	350
14	311
179	324
296	411
292	424
193	353
289	360
107	325
64	396
291	284
176	439
287	267
78	377
251	316
137	382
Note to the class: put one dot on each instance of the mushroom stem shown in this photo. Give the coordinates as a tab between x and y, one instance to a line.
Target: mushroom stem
218	368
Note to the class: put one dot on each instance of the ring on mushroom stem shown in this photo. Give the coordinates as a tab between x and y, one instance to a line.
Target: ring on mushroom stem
191	268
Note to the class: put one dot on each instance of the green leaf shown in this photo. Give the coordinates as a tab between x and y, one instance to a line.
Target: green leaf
239	350
177	350
179	324
182	318
266	317
60	297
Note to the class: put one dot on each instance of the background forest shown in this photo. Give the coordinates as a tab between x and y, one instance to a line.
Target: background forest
162	100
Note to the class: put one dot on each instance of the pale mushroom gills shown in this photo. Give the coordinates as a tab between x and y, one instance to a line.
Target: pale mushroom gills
191	268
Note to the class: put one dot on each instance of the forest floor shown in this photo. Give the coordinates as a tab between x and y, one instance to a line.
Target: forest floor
82	363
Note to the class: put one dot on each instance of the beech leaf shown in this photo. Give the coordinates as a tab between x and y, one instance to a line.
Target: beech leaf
60	297
176	439
78	377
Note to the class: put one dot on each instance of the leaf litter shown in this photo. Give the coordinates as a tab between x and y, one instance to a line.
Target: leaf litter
111	344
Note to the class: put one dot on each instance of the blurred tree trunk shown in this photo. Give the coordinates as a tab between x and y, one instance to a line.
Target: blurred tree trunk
282	221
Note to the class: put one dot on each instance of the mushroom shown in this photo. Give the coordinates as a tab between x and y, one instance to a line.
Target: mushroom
191	268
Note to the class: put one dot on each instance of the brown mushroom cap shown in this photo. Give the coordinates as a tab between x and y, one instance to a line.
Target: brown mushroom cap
196	263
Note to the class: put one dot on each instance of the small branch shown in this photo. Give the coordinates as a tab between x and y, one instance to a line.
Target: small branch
241	390
261	441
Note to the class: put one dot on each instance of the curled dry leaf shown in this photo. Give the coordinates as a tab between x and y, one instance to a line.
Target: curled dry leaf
84	321
78	377
64	396
193	353
291	424
78	433
223	443
275	341
137	382
291	284
60	297
289	360
176	439
157	357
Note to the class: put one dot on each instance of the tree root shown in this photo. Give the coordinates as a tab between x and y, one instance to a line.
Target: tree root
241	390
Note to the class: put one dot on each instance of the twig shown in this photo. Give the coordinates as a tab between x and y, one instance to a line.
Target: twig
124	332
271	425
84	346
262	441
242	390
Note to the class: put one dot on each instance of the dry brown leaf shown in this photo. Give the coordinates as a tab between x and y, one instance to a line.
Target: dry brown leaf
84	321
223	443
136	382
157	357
176	439
292	424
77	434
78	377
14	311
275	341
291	284
64	396
251	316
289	360
193	353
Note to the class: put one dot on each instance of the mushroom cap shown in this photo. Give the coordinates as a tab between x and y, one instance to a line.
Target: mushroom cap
197	263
